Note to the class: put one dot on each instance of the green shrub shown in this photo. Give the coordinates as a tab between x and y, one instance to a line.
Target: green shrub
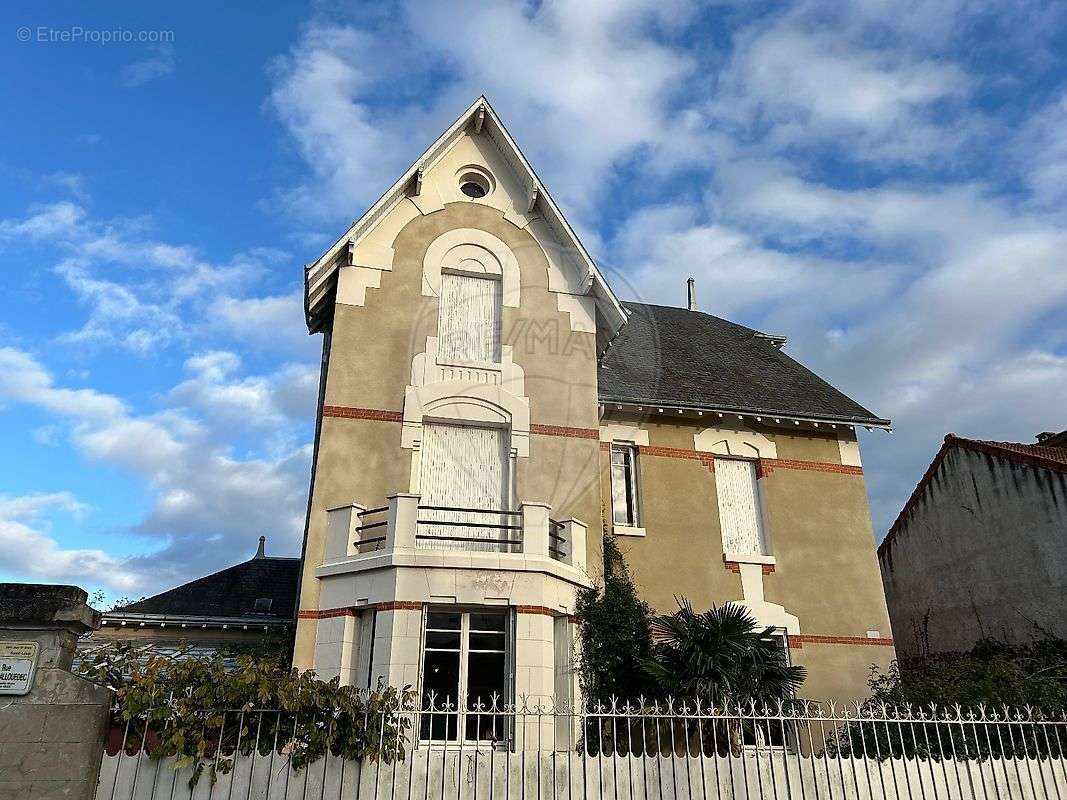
203	711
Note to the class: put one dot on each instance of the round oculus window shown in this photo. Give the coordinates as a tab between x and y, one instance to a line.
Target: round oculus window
474	185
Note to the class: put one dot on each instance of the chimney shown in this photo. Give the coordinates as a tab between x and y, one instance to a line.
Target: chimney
691	286
259	552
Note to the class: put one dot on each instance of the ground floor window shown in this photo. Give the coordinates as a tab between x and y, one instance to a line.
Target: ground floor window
466	668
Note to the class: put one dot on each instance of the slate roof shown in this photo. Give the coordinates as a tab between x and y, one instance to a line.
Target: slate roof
230	593
676	357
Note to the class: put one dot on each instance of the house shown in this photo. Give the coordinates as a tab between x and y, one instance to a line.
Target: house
980	548
251	605
489	409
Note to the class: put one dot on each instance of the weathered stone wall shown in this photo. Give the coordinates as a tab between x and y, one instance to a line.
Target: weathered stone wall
51	739
982	552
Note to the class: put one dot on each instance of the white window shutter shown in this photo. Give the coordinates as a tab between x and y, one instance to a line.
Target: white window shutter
740	518
465	467
469	326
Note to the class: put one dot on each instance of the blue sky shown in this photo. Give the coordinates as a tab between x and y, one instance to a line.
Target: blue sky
881	181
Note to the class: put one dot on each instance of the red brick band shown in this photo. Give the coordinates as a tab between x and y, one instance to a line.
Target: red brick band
383	415
733	566
768	465
565	431
765	466
796	642
351	611
347	412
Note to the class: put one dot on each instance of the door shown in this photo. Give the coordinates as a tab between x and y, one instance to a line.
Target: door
465	467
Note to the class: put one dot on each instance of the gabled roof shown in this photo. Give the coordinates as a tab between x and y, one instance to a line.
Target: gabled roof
1040	456
676	357
320	277
230	594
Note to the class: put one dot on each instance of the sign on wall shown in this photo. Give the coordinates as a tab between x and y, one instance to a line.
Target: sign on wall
18	662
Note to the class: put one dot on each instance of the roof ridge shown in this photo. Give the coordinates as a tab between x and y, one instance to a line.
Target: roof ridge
1023	455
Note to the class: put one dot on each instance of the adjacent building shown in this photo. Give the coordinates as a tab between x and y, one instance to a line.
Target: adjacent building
250	606
980	548
489	410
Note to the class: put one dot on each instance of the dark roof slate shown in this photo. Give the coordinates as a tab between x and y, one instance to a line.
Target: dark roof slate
678	357
232	592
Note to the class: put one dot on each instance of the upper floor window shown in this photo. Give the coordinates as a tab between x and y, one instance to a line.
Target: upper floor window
469	322
740	513
624	506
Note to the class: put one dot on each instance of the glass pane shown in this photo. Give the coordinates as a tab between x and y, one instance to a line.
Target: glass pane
442	639
622	513
440	678
487	641
488	683
443	620
488	620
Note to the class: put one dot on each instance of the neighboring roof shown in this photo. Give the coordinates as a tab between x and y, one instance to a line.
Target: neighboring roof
1055	440
320	276
1034	455
230	594
681	358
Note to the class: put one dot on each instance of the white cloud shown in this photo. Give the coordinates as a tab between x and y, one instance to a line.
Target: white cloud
210	501
52	220
583	81
158	65
30	553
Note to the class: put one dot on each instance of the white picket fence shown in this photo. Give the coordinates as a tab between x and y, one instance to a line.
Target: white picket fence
663	753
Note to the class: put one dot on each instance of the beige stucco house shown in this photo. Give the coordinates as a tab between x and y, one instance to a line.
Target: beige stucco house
489	410
980	548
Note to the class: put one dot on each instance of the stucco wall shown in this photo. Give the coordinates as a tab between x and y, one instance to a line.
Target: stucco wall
370	366
818	525
982	553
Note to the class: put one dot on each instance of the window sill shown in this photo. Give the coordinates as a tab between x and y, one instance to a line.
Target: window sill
748	559
495	366
627	530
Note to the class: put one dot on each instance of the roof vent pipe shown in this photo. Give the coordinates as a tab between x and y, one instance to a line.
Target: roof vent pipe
691	286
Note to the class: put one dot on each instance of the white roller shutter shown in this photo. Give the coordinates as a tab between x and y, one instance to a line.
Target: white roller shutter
465	467
739	508
469	323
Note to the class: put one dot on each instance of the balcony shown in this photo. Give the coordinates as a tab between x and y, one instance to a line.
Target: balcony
406	532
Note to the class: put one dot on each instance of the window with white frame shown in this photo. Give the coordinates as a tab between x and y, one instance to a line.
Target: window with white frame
466	667
469	318
740	511
624	504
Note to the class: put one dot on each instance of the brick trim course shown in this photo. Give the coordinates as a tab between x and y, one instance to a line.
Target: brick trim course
796	641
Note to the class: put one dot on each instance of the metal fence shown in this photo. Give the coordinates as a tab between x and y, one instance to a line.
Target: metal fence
672	751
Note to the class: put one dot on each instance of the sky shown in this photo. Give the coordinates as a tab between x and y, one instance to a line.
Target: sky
883	182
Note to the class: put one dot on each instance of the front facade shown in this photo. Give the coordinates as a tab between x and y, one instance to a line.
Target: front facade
980	549
489	410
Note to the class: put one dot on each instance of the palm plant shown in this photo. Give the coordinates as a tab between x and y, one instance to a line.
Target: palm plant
720	655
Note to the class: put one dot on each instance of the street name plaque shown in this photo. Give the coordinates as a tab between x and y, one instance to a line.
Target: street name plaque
18	662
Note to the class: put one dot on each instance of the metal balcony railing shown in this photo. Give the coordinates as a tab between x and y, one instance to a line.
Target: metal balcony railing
475	529
406	525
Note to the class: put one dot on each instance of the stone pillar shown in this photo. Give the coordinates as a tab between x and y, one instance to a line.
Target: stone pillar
52	723
535	528
403	521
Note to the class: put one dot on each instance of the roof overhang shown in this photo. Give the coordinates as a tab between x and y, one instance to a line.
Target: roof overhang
320	277
120	620
766	416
